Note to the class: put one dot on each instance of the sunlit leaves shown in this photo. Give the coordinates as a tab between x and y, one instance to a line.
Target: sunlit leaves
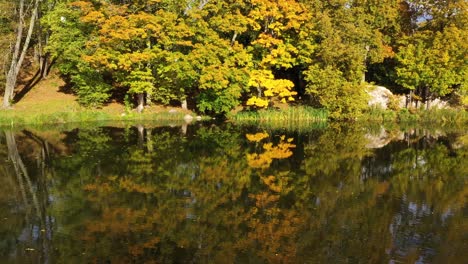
435	61
257	137
270	88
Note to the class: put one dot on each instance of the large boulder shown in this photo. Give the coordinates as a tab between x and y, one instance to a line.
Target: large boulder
379	96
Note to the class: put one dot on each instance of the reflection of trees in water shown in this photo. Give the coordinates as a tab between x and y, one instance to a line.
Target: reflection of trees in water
37	234
213	194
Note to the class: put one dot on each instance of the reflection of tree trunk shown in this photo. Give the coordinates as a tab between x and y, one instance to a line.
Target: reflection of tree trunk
20	169
141	135
27	189
149	140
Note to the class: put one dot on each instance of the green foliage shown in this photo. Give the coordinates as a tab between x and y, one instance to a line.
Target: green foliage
140	81
378	114
343	99
435	61
7	33
90	87
223	54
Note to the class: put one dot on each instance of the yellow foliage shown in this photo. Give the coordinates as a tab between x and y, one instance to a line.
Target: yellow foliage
272	88
258	102
93	17
256	137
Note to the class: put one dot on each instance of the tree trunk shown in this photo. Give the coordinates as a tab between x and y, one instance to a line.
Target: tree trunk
19	51
141	102
363	77
427	97
184	104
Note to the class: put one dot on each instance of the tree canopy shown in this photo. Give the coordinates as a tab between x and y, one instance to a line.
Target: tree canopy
219	54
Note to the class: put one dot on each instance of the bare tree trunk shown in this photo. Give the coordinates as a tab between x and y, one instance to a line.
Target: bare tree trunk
19	51
427	97
184	104
233	40
141	102
363	77
41	44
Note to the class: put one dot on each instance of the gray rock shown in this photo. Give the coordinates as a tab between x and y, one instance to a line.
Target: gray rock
379	96
438	104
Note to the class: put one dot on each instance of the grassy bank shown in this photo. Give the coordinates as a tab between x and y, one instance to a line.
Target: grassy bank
305	114
15	118
291	118
433	116
49	103
296	114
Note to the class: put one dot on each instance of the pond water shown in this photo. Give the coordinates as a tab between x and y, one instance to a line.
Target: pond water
219	193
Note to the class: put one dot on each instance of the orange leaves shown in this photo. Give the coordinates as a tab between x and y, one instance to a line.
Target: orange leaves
94	17
85	6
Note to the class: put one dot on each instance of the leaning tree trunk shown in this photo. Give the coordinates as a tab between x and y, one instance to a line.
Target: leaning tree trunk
19	51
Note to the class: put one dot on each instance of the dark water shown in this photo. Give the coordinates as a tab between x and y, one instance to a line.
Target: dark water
224	194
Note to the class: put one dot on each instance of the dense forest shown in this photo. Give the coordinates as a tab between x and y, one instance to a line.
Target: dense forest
216	55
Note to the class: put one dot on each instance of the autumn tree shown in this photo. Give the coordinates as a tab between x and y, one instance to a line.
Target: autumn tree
432	60
7	32
349	36
24	30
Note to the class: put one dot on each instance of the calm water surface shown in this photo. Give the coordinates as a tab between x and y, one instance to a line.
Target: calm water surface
225	194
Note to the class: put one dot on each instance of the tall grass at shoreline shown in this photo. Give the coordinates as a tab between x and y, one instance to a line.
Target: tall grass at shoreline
297	113
291	118
11	118
434	116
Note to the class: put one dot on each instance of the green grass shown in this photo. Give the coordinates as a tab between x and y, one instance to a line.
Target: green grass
295	118
12	118
434	116
296	113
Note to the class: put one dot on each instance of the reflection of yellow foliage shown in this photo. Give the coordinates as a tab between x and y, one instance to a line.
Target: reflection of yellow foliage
271	182
256	137
263	160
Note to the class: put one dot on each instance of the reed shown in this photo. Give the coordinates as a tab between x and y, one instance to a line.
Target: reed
435	116
12	118
290	114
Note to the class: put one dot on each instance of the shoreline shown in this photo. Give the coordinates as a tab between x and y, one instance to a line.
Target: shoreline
291	116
